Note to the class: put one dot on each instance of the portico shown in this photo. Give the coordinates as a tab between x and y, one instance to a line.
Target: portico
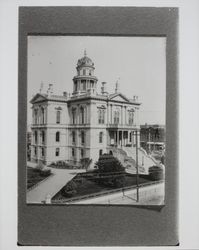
122	138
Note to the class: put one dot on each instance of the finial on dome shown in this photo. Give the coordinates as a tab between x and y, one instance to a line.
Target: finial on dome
85	54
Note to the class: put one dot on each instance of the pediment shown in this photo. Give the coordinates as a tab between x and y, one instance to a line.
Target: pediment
38	98
119	97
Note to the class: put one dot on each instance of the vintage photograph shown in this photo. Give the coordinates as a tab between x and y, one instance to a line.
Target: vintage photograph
96	112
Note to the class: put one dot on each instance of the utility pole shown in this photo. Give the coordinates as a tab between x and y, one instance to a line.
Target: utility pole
137	166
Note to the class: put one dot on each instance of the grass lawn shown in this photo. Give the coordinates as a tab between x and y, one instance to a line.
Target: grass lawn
34	177
90	186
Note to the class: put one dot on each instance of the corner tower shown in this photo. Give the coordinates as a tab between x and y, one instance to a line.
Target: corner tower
85	80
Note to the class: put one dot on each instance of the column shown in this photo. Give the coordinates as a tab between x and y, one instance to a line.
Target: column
115	143
111	114
122	115
125	115
118	138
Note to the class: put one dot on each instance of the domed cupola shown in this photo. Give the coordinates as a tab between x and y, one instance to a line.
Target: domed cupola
85	81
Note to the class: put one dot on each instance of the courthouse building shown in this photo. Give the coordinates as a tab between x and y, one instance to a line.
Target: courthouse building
84	124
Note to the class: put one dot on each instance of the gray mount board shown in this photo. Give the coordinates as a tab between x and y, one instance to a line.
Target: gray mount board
97	225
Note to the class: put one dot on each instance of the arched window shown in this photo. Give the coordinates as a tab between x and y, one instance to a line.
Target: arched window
57	137
58	116
82	137
100	137
82	115
73	137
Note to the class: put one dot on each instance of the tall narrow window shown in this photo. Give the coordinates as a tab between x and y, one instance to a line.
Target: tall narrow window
82	153
82	114
42	116
116	117
73	115
90	73
101	116
57	137
42	152
35	116
82	137
73	136
100	137
43	137
84	72
57	152
35	151
35	137
58	116
131	116
73	152
100	152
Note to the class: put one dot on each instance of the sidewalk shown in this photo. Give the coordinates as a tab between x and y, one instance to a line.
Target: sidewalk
52	185
149	195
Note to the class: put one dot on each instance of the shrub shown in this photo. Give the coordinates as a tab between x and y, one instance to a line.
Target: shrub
70	189
45	173
156	173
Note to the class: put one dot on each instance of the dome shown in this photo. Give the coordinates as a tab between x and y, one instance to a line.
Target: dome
85	61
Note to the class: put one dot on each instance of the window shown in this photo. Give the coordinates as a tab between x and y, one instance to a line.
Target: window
82	114
83	82
57	137
35	116
100	137
42	116
57	152
75	86
100	152
116	117
73	115
43	136
73	137
90	73
42	151
73	152
101	116
35	137
82	137
82	153
35	151
131	116
84	72
58	116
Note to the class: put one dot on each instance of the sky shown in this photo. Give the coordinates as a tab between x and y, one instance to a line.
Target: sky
138	62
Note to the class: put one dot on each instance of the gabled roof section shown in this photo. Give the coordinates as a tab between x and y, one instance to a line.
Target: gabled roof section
44	97
118	97
38	98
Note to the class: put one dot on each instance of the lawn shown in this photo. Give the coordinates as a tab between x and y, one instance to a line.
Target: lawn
88	185
34	176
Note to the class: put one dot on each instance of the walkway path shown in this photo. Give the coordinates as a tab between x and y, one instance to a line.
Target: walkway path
52	185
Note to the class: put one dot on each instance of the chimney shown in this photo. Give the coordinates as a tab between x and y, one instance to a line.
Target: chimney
50	89
65	94
103	88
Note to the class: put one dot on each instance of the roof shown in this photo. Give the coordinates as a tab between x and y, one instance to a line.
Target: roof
44	97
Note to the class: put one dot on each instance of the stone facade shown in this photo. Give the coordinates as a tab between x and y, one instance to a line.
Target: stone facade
84	124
